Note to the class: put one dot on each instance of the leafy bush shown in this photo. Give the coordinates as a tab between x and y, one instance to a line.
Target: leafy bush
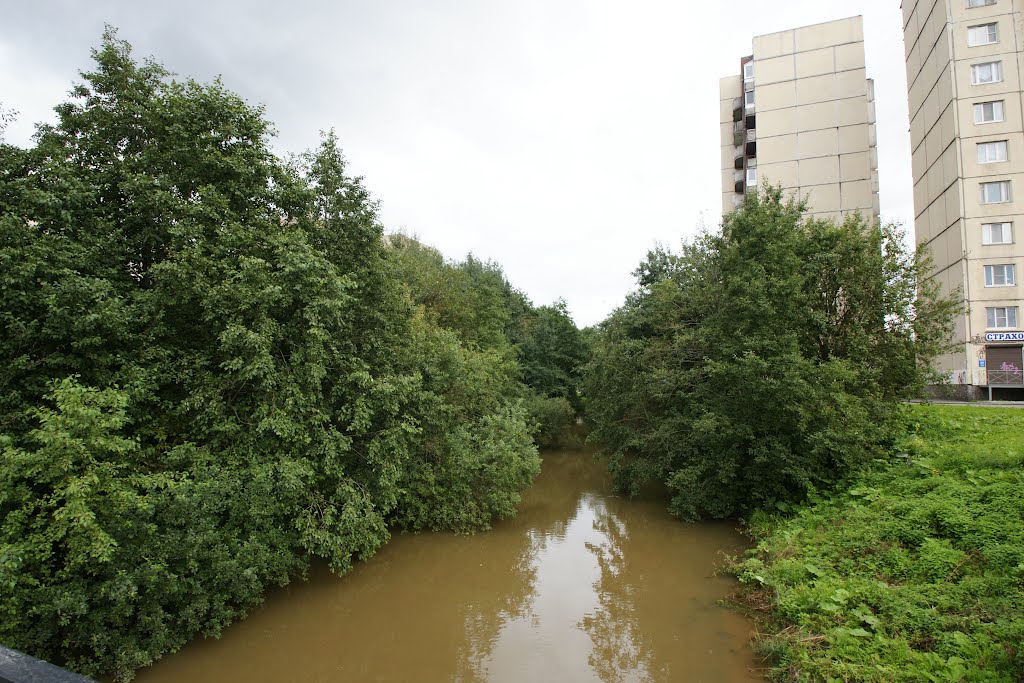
473	450
472	296
765	362
556	422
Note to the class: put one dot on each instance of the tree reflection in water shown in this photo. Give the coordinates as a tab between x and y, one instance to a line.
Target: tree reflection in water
619	652
494	636
620	592
658	616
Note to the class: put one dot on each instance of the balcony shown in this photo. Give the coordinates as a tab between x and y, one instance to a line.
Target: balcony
738	162
739	134
739	187
751	146
737	109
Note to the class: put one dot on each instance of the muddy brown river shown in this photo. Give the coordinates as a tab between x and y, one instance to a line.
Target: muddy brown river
581	586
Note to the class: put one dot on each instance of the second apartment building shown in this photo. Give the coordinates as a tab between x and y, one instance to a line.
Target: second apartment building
964	66
800	113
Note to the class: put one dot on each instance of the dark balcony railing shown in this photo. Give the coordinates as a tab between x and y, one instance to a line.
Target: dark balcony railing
738	163
739	187
737	109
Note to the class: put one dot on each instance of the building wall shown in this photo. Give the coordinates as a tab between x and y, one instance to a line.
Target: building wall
814	111
949	212
730	89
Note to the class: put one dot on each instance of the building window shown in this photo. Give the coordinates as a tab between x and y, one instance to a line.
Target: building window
986	34
995	193
1003	275
996	233
748	98
988	112
991	152
752	176
986	72
748	72
1001	317
980	3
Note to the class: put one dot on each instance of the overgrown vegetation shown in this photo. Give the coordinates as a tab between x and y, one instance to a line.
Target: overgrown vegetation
215	370
913	573
763	362
540	345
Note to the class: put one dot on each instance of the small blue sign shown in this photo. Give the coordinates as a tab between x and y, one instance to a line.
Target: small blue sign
981	362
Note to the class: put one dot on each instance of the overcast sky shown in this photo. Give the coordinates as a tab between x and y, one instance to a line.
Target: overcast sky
561	138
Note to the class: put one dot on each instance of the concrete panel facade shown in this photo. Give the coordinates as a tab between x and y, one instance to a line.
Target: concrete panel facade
810	108
952	112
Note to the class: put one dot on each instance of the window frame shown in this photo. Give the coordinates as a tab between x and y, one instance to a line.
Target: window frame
991	33
992	317
980	107
748	95
997	72
1009	273
1004	145
1005	229
1007	196
972	4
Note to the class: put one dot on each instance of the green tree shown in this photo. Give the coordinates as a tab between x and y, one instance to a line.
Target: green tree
765	361
474	447
475	300
552	354
474	451
155	244
472	297
213	374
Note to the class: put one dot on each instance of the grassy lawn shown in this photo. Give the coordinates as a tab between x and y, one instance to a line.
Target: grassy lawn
915	573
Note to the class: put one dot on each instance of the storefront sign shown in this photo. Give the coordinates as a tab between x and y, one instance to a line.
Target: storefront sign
1004	336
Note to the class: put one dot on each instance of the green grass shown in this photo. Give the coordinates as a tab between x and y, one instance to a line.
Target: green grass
914	573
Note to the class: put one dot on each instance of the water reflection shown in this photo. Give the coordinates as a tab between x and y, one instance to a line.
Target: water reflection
619	653
580	586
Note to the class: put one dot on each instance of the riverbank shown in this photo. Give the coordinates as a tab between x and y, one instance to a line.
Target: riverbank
914	573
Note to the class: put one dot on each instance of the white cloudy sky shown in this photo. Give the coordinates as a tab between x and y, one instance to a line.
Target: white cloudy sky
561	138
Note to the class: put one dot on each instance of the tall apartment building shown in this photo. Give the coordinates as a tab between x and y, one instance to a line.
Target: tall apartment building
964	64
801	113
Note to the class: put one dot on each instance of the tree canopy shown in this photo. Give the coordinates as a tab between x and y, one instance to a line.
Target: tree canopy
216	370
764	361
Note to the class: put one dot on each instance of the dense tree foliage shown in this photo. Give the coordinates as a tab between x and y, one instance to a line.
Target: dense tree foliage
763	362
215	370
540	346
553	353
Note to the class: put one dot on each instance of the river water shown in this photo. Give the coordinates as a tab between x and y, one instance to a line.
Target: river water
581	586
